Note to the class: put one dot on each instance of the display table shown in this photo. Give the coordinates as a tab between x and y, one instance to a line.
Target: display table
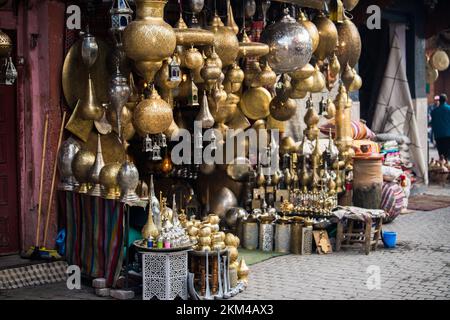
165	275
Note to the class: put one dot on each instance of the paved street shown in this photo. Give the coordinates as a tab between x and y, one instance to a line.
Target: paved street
419	268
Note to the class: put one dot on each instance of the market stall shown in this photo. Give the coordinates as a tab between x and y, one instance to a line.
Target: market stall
156	102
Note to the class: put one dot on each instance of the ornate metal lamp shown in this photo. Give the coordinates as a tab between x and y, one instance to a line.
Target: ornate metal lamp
121	15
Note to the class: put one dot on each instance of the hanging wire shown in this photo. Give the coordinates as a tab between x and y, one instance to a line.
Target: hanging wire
243	16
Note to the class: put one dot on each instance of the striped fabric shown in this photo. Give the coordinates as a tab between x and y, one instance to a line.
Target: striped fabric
95	241
360	131
392	200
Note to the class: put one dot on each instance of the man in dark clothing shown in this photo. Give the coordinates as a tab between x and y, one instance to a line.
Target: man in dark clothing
440	122
431	107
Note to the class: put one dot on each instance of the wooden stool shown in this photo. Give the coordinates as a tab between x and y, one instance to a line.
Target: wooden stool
359	233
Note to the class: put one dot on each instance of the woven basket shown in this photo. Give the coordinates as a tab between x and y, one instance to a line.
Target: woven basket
438	177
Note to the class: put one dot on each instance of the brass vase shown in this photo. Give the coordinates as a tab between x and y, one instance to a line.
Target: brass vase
67	152
128	180
150	230
81	165
108	179
94	173
149	39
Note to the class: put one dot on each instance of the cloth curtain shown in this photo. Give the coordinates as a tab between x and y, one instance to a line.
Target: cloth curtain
95	235
394	111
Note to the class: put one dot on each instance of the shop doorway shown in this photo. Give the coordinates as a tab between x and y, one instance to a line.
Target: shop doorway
9	213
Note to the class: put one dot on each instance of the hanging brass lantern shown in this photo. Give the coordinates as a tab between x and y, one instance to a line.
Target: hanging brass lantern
225	41
193	94
290	45
134	98
311	121
251	70
303	73
311	28
282	109
119	92
204	115
193	59
348	76
349	43
247	48
5	45
266	78
192	36
210	73
149	39
334	66
153	115
319	81
234	79
89	107
8	73
231	23
328	36
121	16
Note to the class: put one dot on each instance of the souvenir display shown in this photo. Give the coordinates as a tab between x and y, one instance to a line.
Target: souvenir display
198	83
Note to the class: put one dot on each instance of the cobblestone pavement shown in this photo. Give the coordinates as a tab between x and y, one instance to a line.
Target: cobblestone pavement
419	268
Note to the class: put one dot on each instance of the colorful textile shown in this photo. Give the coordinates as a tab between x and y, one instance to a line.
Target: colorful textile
392	200
360	131
357	213
95	229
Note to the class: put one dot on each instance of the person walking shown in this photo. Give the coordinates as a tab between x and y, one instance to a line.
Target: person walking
440	123
431	107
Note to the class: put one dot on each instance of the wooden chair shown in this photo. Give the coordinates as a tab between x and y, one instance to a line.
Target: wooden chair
359	233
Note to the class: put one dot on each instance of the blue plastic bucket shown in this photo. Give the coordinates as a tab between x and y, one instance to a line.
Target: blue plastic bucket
389	239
